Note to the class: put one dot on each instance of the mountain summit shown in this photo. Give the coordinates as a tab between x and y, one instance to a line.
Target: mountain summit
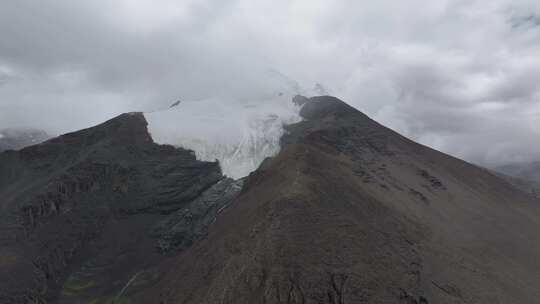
348	211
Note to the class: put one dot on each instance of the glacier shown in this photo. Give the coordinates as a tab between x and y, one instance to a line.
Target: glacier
240	134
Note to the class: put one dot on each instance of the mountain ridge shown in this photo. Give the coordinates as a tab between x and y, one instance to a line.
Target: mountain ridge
80	199
348	211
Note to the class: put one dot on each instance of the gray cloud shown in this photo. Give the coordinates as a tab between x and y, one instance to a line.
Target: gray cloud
461	76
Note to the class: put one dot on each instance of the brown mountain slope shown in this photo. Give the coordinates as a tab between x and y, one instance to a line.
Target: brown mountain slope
352	212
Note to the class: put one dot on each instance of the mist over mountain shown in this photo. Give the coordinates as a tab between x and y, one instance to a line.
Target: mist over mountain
525	176
15	139
528	171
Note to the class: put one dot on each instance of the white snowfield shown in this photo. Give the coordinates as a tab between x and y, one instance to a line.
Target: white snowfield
240	135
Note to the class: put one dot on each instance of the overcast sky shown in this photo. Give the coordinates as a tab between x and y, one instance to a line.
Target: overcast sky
460	76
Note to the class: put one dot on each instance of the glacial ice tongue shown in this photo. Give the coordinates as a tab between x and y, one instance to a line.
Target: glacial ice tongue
240	135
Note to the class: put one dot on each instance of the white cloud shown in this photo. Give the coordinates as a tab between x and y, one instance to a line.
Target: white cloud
458	75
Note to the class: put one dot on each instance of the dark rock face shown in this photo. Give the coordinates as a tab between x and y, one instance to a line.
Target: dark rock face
15	139
82	197
183	227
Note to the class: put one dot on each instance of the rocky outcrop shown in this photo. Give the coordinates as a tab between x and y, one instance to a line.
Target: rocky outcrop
183	227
